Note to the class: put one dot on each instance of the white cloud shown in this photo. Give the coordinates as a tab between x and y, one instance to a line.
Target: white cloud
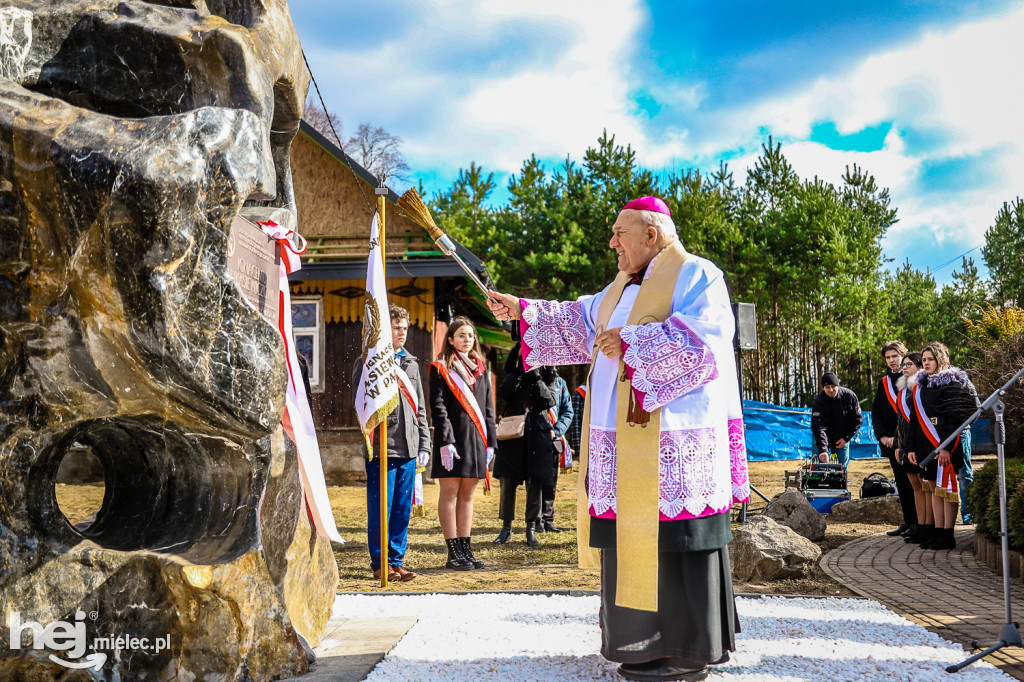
549	107
961	82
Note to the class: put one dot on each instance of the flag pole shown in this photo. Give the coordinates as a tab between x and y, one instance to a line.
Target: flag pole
382	451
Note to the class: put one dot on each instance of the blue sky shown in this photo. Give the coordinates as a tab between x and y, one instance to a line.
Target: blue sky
924	94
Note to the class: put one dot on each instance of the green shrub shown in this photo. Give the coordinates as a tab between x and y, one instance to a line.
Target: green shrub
983	496
985	479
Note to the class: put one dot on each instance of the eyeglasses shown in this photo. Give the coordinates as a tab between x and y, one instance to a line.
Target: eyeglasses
908	364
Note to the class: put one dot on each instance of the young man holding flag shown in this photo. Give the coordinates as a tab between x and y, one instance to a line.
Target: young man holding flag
408	447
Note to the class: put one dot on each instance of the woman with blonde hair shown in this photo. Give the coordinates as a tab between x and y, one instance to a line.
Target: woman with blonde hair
943	397
462	408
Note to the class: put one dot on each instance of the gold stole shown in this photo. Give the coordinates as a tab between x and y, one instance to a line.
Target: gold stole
637	444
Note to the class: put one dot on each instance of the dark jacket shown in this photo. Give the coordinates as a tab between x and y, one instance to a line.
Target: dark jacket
532	456
408	433
884	417
948	398
834	418
454	426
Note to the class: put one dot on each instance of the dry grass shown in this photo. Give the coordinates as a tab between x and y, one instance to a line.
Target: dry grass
514	566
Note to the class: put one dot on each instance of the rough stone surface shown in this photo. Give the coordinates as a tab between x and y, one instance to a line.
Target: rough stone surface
881	510
764	550
791	509
131	135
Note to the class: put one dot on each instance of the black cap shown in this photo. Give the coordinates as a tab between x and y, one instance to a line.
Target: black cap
829	379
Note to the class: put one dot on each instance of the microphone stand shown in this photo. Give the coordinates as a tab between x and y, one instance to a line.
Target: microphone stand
1008	634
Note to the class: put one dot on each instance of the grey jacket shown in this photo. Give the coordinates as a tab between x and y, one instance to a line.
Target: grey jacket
408	434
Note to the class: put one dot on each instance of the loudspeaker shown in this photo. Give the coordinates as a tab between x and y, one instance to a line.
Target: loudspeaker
746	326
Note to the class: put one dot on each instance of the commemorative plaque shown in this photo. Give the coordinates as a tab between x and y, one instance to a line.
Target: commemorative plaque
254	261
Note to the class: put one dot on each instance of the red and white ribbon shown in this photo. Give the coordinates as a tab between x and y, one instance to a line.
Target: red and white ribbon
297	419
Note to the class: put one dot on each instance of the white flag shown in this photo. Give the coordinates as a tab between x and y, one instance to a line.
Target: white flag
377	393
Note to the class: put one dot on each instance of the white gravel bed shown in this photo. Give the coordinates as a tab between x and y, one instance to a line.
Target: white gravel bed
528	637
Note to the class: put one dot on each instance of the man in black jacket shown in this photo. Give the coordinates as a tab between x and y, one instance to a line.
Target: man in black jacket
835	418
884	418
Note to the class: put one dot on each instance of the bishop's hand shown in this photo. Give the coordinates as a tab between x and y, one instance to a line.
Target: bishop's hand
609	342
503	306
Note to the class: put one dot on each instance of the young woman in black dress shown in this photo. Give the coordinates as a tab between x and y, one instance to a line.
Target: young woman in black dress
462	408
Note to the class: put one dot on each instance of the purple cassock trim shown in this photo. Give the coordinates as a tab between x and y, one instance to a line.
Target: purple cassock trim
738	462
665	360
687	485
553	333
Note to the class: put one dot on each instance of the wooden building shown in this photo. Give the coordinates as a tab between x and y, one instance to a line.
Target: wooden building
335	198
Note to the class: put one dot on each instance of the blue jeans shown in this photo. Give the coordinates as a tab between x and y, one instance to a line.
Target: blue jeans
842	454
401	476
966	475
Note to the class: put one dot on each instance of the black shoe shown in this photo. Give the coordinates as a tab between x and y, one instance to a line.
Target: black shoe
505	534
531	537
911	529
456	559
467	551
660	670
898	531
550	527
538	527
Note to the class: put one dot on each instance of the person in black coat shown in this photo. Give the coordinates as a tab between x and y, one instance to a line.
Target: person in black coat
885	419
528	458
835	419
943	399
464	436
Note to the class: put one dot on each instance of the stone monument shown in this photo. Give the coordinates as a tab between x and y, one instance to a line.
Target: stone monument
132	134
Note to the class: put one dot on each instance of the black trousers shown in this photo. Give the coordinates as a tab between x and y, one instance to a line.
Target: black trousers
548	497
507	501
903	487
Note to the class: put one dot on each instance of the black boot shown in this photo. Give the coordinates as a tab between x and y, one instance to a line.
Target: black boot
531	537
924	532
467	551
551	528
503	536
456	559
911	529
943	539
927	535
898	531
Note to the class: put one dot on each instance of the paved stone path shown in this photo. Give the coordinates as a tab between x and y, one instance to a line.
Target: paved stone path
949	592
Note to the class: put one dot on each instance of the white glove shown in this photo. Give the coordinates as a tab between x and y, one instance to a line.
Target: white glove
448	456
422	459
490	456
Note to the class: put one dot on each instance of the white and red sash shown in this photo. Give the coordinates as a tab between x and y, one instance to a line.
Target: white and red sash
407	389
945	476
465	397
903	404
297	419
890	392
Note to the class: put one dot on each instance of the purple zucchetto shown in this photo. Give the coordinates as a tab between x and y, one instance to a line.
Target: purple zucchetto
649	204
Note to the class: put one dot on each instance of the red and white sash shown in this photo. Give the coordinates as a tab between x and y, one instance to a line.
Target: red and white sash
465	397
946	476
890	392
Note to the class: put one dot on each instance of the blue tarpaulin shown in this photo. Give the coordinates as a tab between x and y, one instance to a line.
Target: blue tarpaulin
775	432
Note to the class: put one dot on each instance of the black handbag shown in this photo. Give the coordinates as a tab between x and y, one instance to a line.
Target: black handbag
877	485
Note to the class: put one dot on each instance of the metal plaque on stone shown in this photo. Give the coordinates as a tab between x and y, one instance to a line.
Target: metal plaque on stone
254	261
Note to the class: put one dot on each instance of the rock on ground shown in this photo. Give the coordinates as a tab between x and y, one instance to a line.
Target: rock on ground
791	509
881	510
765	550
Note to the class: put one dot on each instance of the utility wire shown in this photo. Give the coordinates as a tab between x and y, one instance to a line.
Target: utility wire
327	115
953	260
